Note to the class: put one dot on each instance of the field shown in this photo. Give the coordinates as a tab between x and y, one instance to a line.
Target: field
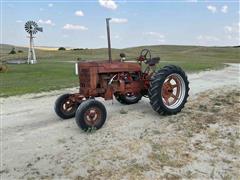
55	69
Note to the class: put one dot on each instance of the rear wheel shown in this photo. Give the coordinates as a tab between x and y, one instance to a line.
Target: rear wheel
128	98
168	90
91	114
65	107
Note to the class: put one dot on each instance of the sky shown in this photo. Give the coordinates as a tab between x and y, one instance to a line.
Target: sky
78	23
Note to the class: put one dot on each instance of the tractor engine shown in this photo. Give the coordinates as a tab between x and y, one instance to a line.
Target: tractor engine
103	79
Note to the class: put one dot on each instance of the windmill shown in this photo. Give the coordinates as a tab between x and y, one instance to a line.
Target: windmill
31	27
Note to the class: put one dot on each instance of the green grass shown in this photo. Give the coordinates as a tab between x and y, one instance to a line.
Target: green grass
44	76
53	70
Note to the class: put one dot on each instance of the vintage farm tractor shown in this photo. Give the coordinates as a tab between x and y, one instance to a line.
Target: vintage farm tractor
166	88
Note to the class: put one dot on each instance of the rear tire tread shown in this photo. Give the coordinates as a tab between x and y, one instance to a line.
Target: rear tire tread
155	87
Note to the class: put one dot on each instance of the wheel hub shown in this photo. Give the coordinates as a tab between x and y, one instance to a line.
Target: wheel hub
172	90
168	90
92	116
68	105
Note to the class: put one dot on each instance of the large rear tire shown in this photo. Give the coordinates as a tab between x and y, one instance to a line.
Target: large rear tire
91	114
168	90
64	107
128	98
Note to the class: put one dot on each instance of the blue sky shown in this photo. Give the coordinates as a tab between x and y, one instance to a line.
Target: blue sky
75	23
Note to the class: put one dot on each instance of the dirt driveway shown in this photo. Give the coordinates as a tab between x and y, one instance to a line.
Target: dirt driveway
35	143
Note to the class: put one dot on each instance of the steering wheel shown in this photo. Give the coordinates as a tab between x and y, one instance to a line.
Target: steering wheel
145	54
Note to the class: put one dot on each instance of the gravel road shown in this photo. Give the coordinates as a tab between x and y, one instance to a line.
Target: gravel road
35	143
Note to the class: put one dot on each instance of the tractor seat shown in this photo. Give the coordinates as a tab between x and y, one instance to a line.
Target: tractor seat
153	61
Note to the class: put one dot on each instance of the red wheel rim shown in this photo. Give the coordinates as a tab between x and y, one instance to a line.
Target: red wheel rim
92	116
67	106
173	91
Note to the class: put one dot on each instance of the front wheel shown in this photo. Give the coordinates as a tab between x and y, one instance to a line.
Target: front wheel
65	107
168	90
91	114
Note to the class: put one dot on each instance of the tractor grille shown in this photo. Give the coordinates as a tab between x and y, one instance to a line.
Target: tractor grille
84	76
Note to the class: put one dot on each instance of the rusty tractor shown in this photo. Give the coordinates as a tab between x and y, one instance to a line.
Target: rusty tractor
128	82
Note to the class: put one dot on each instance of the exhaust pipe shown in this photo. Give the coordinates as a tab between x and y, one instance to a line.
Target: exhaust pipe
109	40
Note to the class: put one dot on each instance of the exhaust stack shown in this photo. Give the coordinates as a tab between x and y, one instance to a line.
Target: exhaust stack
109	40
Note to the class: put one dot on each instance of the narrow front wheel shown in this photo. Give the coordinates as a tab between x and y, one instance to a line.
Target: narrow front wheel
65	107
91	114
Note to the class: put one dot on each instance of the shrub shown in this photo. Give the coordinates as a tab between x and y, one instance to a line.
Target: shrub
12	51
78	49
62	49
20	51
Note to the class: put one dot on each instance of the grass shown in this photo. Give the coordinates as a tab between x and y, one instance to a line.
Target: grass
44	76
55	70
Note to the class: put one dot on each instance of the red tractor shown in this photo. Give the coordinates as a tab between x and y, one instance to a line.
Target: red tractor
166	88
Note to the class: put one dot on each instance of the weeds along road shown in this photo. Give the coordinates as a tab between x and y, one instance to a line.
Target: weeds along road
35	142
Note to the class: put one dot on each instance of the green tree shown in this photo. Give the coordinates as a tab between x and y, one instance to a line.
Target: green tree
12	51
62	49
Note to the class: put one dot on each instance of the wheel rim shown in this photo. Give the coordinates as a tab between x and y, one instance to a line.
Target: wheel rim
68	106
173	91
92	116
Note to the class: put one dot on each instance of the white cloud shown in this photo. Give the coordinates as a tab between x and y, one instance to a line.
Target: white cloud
74	27
155	34
109	4
19	21
116	36
206	38
234	28
228	29
65	35
232	31
224	9
79	13
119	20
50	5
211	8
159	37
47	22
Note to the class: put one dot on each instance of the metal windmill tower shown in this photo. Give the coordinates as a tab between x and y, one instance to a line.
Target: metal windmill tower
32	28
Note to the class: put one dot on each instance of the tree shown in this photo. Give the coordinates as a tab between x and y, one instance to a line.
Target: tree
62	49
12	51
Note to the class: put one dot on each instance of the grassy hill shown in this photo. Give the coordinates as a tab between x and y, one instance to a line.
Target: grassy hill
55	70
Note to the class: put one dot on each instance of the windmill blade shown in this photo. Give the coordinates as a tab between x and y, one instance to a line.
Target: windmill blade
34	31
34	24
31	27
39	29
